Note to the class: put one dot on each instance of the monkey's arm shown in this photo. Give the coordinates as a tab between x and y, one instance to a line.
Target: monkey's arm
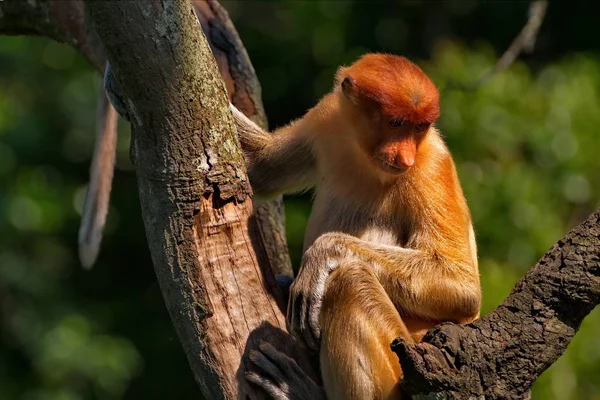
278	162
281	377
281	162
419	283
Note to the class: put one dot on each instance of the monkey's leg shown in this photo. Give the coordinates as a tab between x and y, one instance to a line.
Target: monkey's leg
422	283
359	322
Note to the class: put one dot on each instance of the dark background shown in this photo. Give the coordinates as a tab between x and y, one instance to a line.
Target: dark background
526	147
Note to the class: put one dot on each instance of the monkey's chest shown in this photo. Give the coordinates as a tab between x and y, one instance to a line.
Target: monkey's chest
381	235
363	224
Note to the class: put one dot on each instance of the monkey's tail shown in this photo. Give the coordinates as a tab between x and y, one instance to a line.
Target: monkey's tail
101	173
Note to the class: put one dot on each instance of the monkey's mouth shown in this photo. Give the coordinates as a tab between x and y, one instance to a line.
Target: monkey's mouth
389	168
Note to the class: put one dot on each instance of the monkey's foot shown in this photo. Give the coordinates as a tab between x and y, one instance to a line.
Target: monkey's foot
281	377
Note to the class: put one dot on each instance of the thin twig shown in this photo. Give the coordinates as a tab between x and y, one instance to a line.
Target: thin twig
523	43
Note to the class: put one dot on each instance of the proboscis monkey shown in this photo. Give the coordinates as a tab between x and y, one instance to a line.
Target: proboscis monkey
389	248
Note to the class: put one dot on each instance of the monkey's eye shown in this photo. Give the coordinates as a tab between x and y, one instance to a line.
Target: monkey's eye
422	127
395	122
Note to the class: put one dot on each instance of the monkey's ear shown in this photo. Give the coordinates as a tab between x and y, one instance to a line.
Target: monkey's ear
349	87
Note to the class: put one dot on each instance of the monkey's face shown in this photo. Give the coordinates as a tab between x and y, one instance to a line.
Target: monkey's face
397	143
399	102
390	142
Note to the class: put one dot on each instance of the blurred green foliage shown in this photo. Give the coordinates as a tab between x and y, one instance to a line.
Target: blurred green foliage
525	145
526	151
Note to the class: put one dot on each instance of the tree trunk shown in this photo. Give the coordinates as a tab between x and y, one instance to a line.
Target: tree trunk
209	257
216	255
244	92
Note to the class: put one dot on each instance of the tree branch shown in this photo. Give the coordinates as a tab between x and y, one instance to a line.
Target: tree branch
500	355
67	21
524	42
194	196
62	20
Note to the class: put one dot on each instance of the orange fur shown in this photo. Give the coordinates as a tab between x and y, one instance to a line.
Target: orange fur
353	307
399	86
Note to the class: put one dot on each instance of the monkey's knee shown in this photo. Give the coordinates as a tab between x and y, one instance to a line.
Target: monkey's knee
348	282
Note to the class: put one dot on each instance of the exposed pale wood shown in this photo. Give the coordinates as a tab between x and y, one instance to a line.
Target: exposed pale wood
244	92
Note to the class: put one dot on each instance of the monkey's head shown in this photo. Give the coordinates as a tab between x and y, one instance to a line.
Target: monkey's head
399	104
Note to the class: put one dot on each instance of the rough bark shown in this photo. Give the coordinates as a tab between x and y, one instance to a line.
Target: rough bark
244	92
193	189
500	355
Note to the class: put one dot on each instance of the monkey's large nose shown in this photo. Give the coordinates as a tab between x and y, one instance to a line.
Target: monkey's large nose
405	159
406	152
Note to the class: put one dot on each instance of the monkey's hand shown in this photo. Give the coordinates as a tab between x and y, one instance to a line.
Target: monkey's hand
308	289
281	377
277	163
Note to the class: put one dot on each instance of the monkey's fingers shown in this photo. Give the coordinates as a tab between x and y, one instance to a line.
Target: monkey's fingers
314	323
296	318
290	381
299	317
101	173
304	322
310	331
293	312
272	389
271	370
287	364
